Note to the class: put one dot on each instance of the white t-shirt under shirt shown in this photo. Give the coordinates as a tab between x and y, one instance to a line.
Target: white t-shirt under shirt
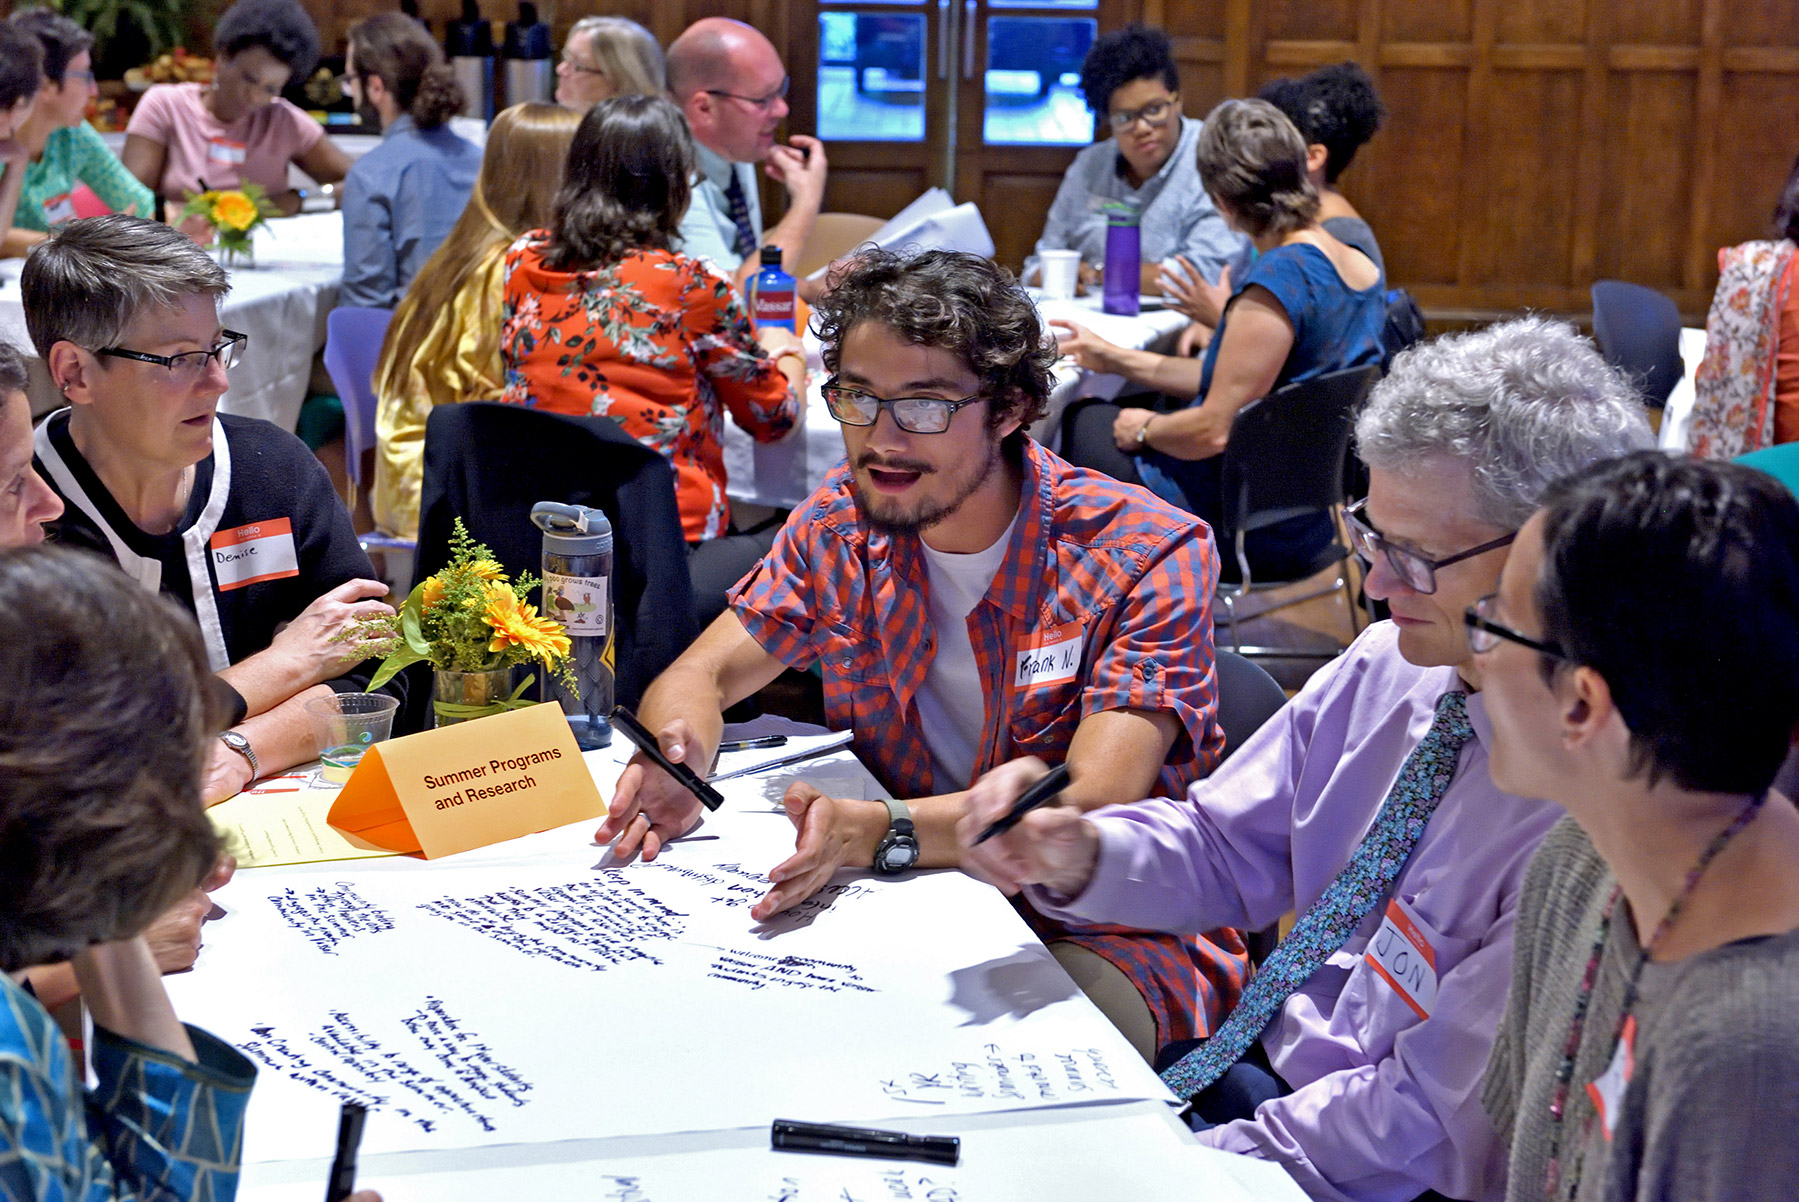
951	702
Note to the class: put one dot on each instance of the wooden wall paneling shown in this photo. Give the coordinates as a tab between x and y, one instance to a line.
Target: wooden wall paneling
1589	176
1237	19
1427	21
1646	198
1407	182
1759	23
1477	123
1701	251
1015	206
1526	227
1309	20
1754	144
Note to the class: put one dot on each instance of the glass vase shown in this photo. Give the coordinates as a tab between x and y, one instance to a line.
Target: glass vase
465	696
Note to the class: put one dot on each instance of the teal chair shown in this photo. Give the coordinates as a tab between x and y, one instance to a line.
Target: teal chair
1780	462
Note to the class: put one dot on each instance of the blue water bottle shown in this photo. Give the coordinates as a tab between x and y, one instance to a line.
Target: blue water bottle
773	293
577	591
1124	259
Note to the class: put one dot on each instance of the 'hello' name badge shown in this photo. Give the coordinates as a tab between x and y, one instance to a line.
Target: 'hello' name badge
253	553
1053	654
1401	953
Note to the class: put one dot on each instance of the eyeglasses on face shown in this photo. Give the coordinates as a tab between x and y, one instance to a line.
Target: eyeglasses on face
188	366
86	79
914	415
1155	114
1484	632
758	102
583	68
1416	570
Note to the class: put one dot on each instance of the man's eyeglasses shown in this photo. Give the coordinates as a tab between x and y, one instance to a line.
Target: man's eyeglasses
347	83
572	65
1154	114
85	78
1417	571
187	367
914	415
1484	633
760	102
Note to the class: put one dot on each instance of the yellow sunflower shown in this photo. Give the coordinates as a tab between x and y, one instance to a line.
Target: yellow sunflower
234	210
487	569
516	624
434	592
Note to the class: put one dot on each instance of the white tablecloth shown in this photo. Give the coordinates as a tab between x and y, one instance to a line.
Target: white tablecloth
280	303
784	474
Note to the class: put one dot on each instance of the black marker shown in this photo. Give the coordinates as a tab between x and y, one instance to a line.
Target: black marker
753	744
688	779
1043	791
829	1138
343	1166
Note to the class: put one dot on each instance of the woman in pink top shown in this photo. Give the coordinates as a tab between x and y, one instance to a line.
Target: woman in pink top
188	137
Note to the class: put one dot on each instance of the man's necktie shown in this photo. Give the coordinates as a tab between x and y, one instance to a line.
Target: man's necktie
1340	909
740	214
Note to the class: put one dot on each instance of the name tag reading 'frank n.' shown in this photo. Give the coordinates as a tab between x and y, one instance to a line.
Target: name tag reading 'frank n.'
1052	655
253	553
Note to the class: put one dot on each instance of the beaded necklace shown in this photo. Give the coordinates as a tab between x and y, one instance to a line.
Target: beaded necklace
1564	1073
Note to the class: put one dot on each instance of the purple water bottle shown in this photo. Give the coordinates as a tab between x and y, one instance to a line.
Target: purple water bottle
1124	259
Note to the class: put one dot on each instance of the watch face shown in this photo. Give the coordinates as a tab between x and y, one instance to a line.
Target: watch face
897	855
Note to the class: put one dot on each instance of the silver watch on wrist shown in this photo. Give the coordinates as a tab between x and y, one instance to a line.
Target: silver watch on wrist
242	746
1143	433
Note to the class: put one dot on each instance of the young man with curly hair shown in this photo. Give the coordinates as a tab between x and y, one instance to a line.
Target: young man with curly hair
969	597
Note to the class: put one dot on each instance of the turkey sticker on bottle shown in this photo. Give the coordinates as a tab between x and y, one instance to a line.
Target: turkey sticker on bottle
578	602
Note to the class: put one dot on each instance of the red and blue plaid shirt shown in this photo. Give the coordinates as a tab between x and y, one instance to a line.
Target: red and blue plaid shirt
1134	574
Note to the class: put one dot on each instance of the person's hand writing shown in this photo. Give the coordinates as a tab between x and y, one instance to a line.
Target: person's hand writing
1052	845
1126	426
227	774
650	807
1188	292
831	833
1088	350
311	645
800	167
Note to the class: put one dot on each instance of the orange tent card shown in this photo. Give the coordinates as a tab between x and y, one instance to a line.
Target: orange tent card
471	785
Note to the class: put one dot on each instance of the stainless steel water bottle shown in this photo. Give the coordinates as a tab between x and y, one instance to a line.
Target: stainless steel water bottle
577	591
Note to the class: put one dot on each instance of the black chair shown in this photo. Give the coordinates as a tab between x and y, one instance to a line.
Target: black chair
1285	460
1638	331
1247	697
489	464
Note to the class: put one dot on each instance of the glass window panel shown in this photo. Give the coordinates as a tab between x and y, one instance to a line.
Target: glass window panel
871	77
1072	4
1033	81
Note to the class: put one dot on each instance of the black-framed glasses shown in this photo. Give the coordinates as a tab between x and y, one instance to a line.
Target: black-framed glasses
1484	632
188	366
572	65
761	102
914	415
1416	570
88	78
1155	114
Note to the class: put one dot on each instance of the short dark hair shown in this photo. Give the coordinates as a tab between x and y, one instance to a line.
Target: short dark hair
61	39
626	186
964	304
1253	159
1786	212
1335	107
102	746
1677	580
21	65
1124	56
13	375
402	54
282	27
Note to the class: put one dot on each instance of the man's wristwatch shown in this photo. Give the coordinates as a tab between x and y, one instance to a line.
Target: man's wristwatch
898	849
1143	434
242	746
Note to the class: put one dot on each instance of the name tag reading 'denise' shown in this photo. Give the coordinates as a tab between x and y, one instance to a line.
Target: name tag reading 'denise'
253	553
469	785
1052	655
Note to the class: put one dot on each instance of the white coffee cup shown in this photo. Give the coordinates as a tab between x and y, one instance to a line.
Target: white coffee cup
1061	273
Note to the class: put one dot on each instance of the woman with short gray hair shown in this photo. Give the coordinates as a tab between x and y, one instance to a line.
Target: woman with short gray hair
230	517
1308	306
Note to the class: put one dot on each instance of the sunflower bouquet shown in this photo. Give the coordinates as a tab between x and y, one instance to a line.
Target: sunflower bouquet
232	215
470	618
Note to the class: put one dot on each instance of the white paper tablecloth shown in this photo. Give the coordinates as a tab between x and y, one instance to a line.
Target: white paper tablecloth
280	303
784	474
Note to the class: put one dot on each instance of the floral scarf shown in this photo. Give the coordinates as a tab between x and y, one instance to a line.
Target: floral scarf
1733	407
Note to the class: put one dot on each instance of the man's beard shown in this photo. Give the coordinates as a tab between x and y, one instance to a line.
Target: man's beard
887	516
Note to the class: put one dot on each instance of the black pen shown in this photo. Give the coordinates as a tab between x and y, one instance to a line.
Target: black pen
343	1165
686	777
790	1136
1044	790
752	744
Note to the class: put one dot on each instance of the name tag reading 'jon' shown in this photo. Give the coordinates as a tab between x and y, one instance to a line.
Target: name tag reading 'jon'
1401	953
254	553
1053	654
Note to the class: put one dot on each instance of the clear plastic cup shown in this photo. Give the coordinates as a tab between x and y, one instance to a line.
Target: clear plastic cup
1061	273
347	725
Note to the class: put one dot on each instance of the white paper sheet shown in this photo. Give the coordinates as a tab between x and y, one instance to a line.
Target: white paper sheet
522	994
932	222
1125	1152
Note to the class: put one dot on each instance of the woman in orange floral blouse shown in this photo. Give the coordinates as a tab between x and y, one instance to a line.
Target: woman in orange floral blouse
601	318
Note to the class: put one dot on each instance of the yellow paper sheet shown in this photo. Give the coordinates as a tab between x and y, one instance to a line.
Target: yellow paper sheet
282	821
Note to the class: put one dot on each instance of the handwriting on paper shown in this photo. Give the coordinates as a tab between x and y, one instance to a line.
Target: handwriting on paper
592	924
327	915
451	1073
1001	1074
870	1185
759	971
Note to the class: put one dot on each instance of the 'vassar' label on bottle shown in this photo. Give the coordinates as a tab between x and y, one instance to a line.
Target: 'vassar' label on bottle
578	602
774	307
1053	654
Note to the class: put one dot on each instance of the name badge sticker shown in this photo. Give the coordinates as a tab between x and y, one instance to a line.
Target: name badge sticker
1401	953
1607	1090
59	208
254	553
221	150
1052	655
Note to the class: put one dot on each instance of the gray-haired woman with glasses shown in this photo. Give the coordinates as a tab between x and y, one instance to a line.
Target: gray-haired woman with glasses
229	516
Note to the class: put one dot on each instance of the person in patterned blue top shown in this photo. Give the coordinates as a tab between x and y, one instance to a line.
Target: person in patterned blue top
1307	306
101	830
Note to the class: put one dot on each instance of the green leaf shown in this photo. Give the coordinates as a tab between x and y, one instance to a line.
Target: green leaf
390	667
